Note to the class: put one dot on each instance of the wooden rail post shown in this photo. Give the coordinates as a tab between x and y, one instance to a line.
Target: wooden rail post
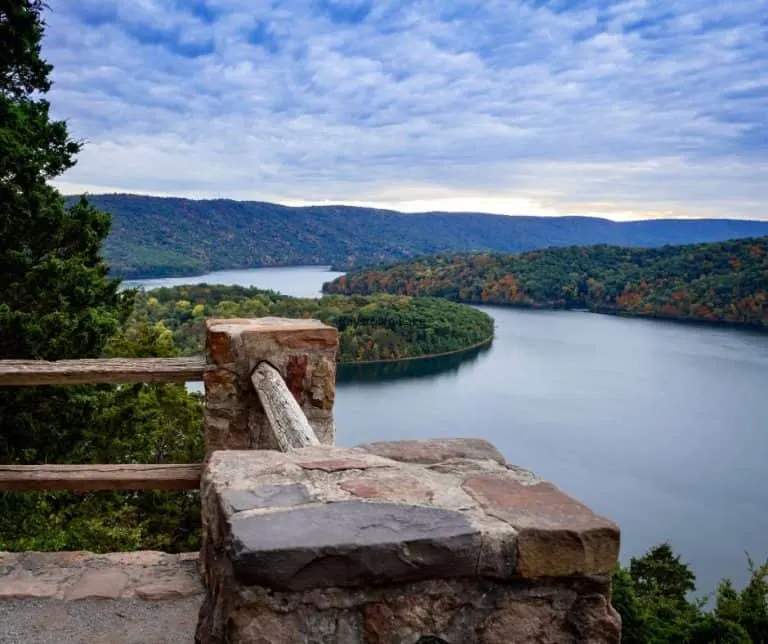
304	354
287	421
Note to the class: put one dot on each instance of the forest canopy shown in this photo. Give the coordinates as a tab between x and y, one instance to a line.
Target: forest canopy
381	327
719	282
173	236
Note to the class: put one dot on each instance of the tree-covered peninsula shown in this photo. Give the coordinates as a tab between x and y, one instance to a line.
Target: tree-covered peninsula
372	328
719	282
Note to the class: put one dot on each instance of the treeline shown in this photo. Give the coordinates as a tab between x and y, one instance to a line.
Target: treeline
380	327
172	236
719	282
653	597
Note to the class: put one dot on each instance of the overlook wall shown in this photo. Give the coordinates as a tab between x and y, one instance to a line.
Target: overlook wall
390	542
408	542
395	542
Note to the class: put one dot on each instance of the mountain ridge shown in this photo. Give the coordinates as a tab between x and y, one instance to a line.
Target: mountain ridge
162	236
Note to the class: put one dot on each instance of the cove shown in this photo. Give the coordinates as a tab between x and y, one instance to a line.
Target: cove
661	426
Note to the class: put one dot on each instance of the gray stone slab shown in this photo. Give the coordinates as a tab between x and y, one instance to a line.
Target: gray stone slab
266	496
352	543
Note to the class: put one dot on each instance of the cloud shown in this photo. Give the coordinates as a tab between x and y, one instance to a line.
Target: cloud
626	108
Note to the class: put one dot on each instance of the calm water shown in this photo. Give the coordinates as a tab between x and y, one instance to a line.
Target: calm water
299	281
662	427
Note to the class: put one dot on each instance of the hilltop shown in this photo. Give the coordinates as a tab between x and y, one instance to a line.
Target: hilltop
157	236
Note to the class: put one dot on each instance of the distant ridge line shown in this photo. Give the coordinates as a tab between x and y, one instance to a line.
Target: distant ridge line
167	236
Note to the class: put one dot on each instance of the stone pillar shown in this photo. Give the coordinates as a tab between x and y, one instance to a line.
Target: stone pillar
303	351
399	543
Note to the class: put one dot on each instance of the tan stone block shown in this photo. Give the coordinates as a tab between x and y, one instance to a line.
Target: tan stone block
222	389
399	621
526	621
398	488
139	558
283	332
435	450
558	536
322	423
98	584
173	588
263	627
295	375
322	386
317	338
336	459
27	588
218	346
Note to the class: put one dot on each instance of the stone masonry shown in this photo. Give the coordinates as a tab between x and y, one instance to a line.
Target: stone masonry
303	351
399	543
84	575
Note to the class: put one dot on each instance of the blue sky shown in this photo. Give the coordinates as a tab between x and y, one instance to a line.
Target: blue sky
625	109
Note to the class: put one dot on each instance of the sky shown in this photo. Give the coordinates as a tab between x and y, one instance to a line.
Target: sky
627	109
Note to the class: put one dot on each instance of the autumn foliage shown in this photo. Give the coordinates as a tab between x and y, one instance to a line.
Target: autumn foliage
720	282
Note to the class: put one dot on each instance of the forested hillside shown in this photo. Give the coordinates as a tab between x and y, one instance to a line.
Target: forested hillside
380	327
164	236
721	282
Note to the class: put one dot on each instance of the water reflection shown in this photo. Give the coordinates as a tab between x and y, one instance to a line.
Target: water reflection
409	369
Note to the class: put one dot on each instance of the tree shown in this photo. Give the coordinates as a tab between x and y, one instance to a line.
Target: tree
660	573
652	599
56	299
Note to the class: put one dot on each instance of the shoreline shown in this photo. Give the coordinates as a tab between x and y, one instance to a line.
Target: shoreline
729	324
426	356
123	279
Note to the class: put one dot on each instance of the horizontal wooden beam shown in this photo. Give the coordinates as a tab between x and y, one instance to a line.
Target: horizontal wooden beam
86	478
115	370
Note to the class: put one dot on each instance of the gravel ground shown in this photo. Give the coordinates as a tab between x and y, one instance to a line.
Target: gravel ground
103	621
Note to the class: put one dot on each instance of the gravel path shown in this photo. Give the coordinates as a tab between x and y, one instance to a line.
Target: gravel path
98	621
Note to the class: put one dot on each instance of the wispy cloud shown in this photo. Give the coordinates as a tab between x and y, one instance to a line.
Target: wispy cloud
626	108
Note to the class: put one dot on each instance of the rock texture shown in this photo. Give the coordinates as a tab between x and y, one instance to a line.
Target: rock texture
435	450
389	543
302	351
85	575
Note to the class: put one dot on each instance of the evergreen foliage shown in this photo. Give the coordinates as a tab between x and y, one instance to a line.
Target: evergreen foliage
653	598
56	300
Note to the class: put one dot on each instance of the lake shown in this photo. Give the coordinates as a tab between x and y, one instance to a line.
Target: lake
299	281
660	426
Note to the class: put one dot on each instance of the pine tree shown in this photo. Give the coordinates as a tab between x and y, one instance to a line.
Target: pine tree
56	298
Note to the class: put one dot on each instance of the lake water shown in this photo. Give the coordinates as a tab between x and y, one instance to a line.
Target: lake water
662	427
299	281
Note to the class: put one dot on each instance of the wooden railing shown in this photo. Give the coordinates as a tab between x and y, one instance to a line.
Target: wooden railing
93	372
287	421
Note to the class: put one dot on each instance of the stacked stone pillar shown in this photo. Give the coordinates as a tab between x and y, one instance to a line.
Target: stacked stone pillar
303	351
399	543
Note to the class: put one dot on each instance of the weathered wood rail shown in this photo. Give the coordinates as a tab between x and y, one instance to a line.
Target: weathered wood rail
92	372
289	343
88	478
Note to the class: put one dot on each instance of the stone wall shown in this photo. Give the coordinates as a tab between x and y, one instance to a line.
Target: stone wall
303	351
397	543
